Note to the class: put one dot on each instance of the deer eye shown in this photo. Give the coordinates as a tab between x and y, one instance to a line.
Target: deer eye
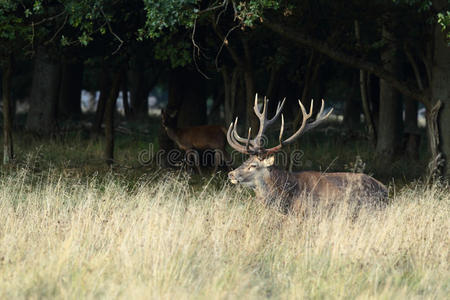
252	166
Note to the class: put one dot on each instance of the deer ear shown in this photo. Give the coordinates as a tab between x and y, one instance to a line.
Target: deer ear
268	162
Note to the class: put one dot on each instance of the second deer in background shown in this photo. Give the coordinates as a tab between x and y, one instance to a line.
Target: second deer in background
197	138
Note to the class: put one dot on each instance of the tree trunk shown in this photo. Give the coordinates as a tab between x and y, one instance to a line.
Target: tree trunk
368	115
312	72
126	105
250	90
228	113
8	151
230	82
373	99
214	115
411	138
272	90
250	93
137	99
437	160
352	108
363	86
69	105
109	118
190	85
412	134
440	86
104	92
41	117
390	115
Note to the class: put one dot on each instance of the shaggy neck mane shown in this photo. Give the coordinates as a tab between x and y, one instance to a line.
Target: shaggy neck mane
277	188
173	135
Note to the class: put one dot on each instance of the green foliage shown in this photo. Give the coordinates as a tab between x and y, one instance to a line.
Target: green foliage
423	5
162	15
251	11
442	17
12	23
177	51
444	21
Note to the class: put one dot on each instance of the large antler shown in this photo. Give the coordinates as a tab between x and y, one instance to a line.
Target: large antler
305	127
254	146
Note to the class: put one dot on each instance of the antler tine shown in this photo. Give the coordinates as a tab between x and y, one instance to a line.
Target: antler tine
279	109
234	139
319	117
306	127
239	138
264	122
233	143
281	129
248	139
262	116
255	106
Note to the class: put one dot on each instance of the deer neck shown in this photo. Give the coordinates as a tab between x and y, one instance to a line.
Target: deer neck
276	185
174	135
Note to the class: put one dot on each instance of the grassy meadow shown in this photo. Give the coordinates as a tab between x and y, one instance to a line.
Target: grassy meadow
72	228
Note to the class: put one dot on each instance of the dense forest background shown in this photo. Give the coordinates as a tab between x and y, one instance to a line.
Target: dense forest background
383	65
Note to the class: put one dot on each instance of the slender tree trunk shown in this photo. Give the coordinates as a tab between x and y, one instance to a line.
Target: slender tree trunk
104	92
69	105
390	115
109	118
126	105
412	135
272	84
250	90
227	95
312	72
41	117
250	93
8	151
272	89
136	91
230	83
214	116
192	110
363	86
352	108
437	161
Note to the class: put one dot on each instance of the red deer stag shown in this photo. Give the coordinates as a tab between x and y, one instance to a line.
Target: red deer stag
202	138
292	190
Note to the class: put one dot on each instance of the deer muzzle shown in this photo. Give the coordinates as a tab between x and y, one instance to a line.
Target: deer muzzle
232	177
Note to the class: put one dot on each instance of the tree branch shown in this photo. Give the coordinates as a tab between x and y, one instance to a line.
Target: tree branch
347	59
415	67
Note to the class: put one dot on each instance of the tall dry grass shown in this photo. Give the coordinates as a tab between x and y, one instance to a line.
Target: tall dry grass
92	238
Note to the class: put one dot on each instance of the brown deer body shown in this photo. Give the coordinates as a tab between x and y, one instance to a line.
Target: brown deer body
295	191
190	139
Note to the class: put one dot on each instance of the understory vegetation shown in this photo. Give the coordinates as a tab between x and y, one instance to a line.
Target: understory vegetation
68	231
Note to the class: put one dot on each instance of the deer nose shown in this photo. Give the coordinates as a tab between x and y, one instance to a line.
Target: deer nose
232	177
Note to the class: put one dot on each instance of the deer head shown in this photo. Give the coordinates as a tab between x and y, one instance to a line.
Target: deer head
255	170
168	118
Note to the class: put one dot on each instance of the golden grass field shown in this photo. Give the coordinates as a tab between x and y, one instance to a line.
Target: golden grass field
161	239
